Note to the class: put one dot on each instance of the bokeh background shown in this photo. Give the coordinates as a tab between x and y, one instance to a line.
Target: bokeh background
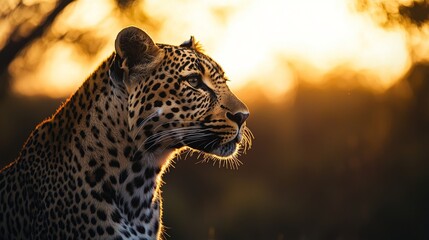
338	92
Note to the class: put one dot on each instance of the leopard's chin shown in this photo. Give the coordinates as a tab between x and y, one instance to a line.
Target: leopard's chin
225	150
217	149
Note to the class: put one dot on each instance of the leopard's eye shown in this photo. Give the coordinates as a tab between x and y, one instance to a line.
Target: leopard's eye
194	80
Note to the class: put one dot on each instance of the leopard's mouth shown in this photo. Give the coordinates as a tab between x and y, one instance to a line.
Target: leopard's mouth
226	150
215	146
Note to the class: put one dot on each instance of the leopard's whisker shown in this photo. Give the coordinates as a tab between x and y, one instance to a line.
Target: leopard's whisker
141	124
167	134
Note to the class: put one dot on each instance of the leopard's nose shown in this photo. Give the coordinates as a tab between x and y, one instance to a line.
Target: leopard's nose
239	117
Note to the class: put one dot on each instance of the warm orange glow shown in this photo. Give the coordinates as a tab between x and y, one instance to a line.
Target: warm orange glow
270	43
259	41
63	69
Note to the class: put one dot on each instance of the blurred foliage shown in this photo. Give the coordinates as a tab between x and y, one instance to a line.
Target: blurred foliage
27	32
26	23
391	13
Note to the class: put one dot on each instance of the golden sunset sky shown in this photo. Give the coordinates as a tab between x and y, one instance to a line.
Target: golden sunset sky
270	45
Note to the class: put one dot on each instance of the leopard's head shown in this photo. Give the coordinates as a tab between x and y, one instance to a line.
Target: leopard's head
179	98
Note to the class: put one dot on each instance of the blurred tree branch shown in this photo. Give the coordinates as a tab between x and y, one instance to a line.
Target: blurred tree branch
417	13
391	13
14	45
29	33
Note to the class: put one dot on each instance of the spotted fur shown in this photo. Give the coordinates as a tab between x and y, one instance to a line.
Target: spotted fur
93	170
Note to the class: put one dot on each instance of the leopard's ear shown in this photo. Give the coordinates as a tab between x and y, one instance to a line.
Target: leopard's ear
135	47
192	44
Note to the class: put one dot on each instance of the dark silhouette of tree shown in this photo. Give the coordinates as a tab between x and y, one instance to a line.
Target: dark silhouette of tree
30	23
391	13
17	41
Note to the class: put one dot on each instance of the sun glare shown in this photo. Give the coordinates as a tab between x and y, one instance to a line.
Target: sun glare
269	44
265	42
327	36
57	81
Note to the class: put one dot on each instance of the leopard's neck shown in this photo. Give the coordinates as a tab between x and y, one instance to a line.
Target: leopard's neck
123	179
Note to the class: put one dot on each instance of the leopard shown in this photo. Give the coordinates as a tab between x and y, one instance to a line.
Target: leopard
93	170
